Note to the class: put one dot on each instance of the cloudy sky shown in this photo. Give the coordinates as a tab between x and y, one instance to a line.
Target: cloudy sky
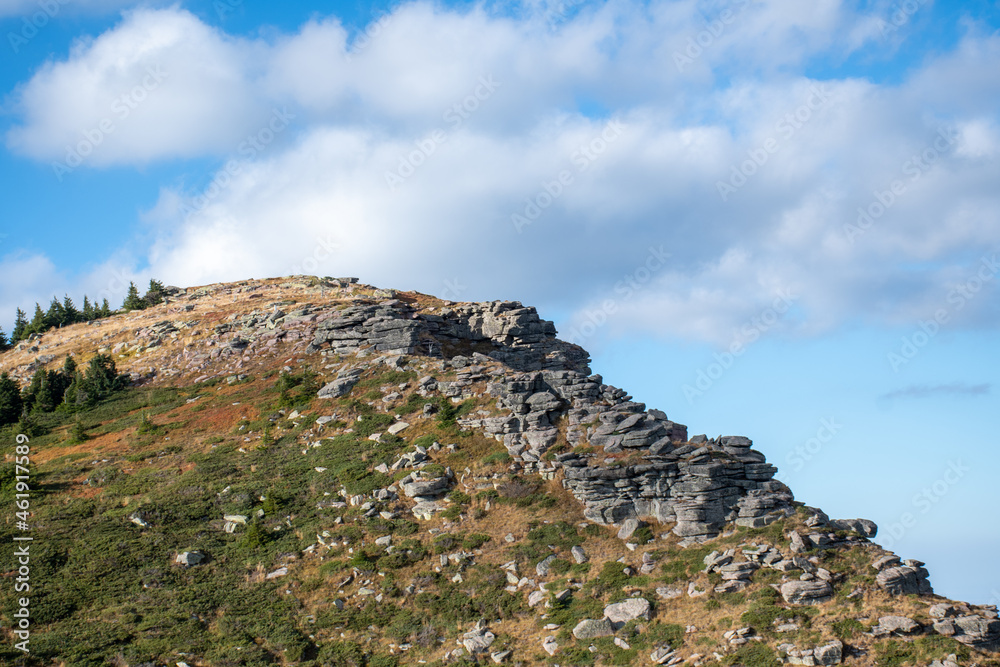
766	217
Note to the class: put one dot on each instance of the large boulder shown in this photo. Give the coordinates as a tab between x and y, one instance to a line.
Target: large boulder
345	381
806	592
980	633
478	640
627	610
905	579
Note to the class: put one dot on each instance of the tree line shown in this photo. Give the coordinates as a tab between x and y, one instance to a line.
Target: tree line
68	389
66	312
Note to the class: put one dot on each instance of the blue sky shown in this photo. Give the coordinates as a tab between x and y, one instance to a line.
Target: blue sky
765	217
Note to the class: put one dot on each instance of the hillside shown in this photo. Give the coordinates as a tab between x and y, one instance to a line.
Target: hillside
312	471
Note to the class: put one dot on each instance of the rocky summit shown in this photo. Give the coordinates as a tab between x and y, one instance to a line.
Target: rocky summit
313	471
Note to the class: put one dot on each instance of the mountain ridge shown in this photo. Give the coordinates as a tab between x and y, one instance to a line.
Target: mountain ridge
497	370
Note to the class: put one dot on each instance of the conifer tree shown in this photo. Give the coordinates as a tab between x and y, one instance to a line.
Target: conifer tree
70	314
38	321
88	309
20	324
4	343
132	300
154	294
10	400
105	310
55	316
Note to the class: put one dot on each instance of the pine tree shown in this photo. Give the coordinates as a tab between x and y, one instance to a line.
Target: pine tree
69	366
70	314
105	310
55	316
4	343
76	393
10	400
132	300
45	398
88	309
20	325
38	321
78	433
155	293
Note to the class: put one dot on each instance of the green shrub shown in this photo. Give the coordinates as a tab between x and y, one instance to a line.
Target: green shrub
753	654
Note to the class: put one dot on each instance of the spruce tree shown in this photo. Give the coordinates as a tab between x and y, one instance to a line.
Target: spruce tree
20	325
55	316
70	314
38	321
132	300
88	309
4	343
155	293
10	400
105	310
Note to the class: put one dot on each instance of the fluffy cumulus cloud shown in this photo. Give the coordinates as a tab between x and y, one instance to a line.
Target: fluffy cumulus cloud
648	166
160	85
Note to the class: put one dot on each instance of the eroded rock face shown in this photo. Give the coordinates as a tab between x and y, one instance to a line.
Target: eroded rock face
902	578
698	486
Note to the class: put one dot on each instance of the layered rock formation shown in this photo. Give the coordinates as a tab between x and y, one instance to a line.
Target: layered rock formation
543	382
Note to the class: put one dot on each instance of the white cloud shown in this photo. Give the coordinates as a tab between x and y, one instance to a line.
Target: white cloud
159	85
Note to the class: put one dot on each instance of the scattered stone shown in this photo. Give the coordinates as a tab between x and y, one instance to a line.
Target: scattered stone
629	526
542	568
661	656
501	656
550	645
397	427
591	629
628	610
190	558
478	640
579	555
895	625
669	593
